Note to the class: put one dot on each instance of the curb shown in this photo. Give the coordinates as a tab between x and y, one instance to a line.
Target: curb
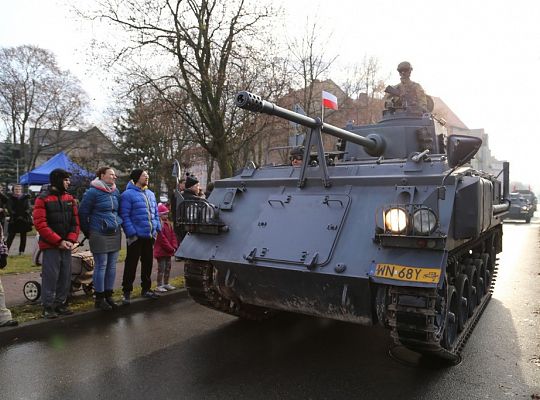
39	328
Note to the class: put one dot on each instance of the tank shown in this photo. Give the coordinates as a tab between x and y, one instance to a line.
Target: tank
520	208
394	228
530	197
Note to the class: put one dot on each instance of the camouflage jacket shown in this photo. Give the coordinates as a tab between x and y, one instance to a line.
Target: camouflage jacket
412	96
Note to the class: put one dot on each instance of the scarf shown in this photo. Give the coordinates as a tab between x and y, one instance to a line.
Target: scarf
103	186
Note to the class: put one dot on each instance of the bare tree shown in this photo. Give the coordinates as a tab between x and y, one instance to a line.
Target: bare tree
25	73
35	92
202	53
311	62
151	136
365	84
67	105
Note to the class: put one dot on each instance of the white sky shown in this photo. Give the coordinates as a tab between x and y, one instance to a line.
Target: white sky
481	58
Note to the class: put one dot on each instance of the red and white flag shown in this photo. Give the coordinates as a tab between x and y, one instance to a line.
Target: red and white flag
329	100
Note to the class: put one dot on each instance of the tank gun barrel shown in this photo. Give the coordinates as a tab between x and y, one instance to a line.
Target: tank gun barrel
373	143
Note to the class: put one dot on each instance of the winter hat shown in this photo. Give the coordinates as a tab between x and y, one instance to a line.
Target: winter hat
162	209
297	151
57	176
191	181
136	174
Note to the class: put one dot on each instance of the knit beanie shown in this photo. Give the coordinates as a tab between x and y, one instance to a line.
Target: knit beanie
136	174
190	181
162	209
297	151
57	176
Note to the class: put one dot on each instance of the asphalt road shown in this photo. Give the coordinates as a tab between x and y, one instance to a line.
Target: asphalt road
184	351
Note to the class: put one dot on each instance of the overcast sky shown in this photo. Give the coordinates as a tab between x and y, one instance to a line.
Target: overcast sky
482	58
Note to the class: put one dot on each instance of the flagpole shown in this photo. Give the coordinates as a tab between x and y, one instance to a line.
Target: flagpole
322	109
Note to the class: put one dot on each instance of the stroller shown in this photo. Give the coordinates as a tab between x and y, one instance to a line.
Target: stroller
82	271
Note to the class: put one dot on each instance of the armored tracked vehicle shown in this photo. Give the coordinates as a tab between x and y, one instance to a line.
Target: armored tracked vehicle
530	197
520	208
395	228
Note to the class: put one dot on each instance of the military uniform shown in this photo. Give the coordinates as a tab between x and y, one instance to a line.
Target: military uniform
412	96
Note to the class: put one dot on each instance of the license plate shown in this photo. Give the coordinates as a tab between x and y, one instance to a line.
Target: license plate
410	274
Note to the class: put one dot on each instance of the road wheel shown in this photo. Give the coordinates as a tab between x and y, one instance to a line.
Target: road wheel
451	329
472	275
481	288
32	290
489	270
462	290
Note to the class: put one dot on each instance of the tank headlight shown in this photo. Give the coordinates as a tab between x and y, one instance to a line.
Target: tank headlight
395	220
424	221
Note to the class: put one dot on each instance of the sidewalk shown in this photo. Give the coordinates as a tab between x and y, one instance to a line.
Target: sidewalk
14	283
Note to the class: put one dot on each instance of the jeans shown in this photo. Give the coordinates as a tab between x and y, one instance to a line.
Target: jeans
104	270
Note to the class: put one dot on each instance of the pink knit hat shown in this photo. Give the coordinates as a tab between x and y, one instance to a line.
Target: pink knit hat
162	209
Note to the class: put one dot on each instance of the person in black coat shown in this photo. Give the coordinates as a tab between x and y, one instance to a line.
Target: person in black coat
20	219
191	192
3	206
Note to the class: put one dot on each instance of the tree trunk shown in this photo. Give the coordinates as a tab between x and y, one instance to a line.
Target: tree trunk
224	162
209	168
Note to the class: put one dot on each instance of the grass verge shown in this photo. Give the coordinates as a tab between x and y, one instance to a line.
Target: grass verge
19	265
24	264
80	303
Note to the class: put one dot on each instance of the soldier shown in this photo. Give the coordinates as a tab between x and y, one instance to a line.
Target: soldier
297	156
407	94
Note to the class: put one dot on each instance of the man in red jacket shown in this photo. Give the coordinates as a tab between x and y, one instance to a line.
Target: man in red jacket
57	221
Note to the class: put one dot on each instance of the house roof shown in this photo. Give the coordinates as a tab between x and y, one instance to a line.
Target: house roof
442	110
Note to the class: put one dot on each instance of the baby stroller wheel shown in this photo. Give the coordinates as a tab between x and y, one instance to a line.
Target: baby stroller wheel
32	290
88	289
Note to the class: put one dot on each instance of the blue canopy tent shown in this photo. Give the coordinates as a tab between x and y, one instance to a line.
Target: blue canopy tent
40	175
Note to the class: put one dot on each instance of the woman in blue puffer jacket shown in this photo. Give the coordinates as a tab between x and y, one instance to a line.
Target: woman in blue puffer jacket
101	222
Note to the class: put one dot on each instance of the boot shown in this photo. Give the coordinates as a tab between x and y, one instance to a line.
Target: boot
110	300
101	303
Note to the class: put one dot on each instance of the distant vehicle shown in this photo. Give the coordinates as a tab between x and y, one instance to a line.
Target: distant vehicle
530	196
520	208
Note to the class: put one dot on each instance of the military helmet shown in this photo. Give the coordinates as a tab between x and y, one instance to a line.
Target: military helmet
404	65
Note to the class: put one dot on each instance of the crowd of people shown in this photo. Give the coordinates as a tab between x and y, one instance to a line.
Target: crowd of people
102	215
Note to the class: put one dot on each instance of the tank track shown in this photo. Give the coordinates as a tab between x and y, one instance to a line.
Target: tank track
199	278
414	325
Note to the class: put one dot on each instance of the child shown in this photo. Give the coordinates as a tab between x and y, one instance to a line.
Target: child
164	249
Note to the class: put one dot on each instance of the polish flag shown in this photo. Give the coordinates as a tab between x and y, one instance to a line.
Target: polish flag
329	100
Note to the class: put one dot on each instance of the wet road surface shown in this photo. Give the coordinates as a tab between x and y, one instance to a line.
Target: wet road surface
185	351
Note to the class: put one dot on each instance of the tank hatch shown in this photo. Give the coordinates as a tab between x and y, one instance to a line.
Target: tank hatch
297	229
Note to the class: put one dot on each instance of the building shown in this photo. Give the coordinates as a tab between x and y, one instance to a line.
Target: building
88	148
483	160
